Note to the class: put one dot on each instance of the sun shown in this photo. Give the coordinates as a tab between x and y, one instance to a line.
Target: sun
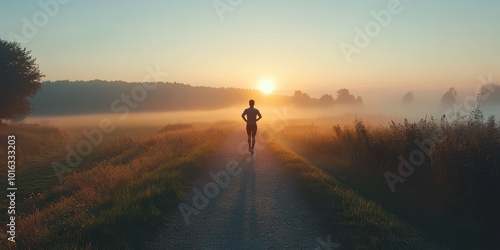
266	86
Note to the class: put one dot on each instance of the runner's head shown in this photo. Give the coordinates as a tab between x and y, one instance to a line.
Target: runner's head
251	102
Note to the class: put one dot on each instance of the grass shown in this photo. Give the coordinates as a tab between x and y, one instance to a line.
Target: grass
34	145
37	147
33	142
120	200
452	195
359	223
173	127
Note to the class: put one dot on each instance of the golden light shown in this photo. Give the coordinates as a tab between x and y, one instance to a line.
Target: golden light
266	86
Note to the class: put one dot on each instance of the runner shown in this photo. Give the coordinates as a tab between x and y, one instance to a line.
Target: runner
252	116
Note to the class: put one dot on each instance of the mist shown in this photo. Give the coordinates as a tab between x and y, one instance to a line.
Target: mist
203	104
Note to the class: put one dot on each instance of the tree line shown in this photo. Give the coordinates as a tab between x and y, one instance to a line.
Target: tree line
98	96
22	92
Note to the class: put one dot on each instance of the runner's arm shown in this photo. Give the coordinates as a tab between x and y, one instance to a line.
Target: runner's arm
243	116
259	116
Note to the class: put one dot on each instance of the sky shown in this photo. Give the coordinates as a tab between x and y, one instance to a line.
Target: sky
240	43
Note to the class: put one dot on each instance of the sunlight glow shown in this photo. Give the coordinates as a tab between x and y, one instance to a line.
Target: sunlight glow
266	86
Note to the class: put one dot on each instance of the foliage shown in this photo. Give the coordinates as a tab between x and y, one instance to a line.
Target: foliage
72	98
407	98
360	223
19	79
344	97
454	192
449	98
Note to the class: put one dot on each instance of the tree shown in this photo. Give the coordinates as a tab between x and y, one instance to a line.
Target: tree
301	98
407	98
326	100
359	100
20	78
491	93
344	97
449	98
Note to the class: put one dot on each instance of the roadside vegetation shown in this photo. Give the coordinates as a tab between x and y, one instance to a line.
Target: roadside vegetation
359	223
451	190
120	200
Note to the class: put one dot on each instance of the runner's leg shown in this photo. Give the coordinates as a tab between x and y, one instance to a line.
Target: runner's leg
249	132
254	133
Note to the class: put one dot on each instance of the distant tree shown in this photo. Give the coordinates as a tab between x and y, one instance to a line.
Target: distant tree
344	97
359	100
491	93
449	98
326	100
301	98
407	98
20	78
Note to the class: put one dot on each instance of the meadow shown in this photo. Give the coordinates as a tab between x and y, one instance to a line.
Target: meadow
118	196
360	223
440	176
425	184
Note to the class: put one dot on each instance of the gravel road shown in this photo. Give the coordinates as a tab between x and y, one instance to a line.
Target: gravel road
244	201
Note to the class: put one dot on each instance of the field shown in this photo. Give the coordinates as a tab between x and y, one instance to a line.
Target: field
361	223
443	177
117	195
418	185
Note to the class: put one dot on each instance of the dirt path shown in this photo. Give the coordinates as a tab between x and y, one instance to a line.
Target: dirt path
257	207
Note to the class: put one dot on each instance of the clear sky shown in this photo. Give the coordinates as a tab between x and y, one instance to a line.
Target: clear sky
428	43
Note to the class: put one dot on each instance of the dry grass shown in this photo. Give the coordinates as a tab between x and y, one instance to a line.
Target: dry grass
33	142
454	194
172	127
359	223
119	200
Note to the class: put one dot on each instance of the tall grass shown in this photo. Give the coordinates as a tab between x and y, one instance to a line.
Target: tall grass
34	144
358	223
120	200
32	141
455	193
